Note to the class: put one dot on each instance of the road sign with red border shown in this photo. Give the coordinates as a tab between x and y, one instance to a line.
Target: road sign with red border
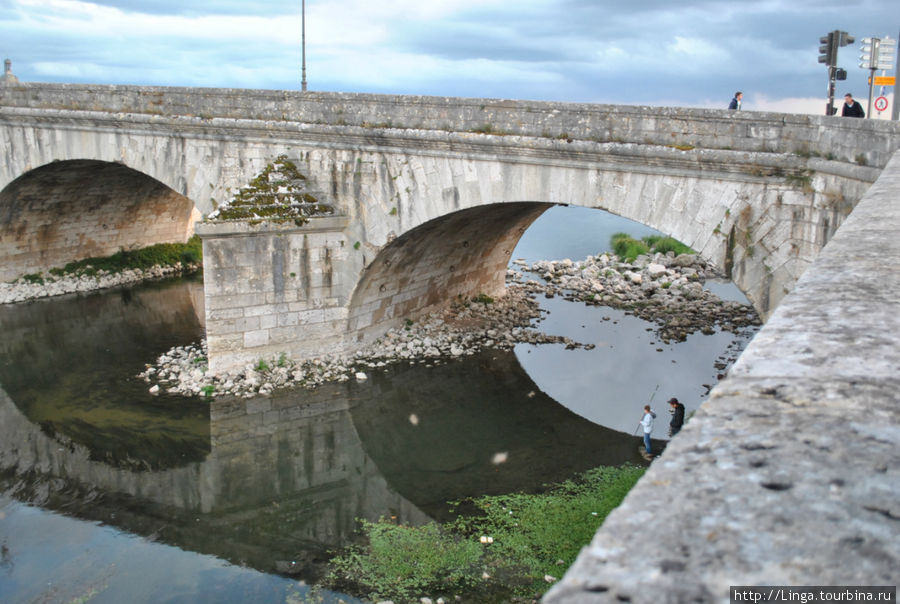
881	103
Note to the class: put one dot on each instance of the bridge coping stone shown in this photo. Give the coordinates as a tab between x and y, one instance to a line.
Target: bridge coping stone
790	473
700	127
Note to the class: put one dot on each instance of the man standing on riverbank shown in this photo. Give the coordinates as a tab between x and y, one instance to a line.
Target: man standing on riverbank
677	416
647	423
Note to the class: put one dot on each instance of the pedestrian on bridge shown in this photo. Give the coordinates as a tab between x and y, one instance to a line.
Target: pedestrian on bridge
736	101
852	108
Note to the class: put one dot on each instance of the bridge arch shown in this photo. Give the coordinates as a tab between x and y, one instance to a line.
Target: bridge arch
458	254
414	214
74	209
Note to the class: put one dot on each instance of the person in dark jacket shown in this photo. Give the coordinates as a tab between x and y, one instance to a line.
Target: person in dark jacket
677	416
736	101
852	108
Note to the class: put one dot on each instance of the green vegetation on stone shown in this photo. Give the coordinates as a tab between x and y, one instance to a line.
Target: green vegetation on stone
277	194
629	248
161	254
510	548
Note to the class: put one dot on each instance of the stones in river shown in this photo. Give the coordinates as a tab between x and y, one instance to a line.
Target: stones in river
665	289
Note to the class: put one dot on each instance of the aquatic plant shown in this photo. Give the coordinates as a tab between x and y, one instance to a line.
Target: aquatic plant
514	546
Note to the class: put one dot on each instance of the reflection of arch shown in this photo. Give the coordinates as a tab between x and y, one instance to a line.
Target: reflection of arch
69	210
462	253
422	435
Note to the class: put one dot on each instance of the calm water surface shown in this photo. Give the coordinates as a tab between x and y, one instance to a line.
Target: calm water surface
109	494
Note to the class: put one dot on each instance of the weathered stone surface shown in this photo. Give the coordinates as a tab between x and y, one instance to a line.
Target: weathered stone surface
790	473
761	207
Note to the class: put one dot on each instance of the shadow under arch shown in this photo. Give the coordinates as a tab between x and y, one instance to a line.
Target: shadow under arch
75	209
461	254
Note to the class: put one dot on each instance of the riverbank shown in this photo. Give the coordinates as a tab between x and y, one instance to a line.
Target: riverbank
34	287
663	288
125	267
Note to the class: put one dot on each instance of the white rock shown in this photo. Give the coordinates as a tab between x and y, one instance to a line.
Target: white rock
655	269
361	377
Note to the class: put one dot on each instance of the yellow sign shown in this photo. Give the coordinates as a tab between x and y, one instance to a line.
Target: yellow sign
885	80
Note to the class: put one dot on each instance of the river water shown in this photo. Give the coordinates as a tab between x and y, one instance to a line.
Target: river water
109	494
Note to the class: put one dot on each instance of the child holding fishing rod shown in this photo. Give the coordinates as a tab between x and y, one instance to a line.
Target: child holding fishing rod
647	423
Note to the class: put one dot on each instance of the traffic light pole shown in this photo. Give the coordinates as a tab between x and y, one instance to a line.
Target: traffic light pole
828	52
829	108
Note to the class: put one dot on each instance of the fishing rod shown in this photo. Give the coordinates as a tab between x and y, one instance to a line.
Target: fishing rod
648	402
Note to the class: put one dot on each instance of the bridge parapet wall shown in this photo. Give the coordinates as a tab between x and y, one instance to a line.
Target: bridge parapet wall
855	141
789	474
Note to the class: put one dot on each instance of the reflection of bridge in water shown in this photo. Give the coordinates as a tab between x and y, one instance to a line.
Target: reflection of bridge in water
265	479
284	477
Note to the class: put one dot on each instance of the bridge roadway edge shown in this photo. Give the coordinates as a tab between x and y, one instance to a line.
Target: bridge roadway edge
789	474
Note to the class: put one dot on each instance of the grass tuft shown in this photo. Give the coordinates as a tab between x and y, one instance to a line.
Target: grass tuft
506	550
628	248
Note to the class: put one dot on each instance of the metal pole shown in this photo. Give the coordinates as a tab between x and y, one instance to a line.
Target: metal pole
303	43
871	92
829	108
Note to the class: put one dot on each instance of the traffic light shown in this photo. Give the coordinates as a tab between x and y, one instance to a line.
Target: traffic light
828	50
840	74
845	39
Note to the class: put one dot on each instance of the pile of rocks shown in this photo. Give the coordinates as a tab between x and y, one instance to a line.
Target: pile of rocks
662	288
43	286
465	328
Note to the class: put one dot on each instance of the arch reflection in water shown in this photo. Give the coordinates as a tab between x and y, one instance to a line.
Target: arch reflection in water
475	426
69	364
269	482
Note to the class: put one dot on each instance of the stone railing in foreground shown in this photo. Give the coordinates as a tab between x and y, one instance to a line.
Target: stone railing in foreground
790	473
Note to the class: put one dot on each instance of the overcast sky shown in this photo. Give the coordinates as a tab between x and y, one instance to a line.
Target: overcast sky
689	53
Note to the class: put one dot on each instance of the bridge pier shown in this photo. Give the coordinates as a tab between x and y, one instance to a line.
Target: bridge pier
274	289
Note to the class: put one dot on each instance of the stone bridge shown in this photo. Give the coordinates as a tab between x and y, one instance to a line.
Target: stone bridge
788	474
430	194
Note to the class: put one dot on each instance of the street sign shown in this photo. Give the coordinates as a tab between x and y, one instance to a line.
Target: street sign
881	103
877	53
885	80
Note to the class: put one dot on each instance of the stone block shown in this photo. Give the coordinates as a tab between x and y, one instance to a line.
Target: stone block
255	339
